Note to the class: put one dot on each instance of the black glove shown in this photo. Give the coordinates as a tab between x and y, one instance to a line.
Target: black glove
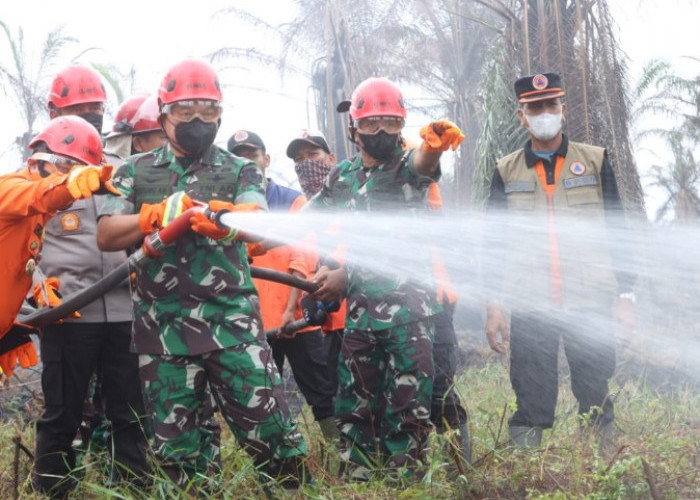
16	336
16	346
314	311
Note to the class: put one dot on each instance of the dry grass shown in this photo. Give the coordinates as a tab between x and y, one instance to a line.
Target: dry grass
656	454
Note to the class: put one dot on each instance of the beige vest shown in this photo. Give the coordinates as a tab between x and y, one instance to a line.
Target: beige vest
579	228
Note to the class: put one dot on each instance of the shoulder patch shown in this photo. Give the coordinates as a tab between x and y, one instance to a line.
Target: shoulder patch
577	168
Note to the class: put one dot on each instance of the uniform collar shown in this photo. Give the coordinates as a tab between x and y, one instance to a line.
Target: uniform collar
531	158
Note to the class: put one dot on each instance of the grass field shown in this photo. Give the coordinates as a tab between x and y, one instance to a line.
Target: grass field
657	453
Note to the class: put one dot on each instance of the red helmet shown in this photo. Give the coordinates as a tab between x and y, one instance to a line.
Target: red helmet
375	97
189	79
126	112
73	137
146	117
77	84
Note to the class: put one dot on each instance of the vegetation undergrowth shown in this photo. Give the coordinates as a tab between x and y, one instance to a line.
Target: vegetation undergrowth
656	454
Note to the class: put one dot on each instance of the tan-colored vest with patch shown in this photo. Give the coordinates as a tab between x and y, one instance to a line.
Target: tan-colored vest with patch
579	224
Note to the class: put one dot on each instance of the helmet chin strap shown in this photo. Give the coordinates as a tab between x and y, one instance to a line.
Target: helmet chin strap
351	134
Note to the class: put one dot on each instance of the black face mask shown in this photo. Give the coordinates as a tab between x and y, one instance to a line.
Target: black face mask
95	120
195	137
380	145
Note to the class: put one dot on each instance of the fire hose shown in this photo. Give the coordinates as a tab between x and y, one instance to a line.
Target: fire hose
153	247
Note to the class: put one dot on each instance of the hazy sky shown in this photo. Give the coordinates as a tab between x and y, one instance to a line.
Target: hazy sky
151	35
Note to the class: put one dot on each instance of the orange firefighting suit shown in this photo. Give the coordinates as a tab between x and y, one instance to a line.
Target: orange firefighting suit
26	204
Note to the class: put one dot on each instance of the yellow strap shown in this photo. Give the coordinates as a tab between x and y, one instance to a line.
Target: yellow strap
173	208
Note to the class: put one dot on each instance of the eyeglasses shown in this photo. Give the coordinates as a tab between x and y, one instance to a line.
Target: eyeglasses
373	124
185	111
60	163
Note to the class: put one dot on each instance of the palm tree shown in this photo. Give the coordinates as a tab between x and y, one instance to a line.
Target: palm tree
343	42
672	104
465	55
576	39
661	93
447	48
30	85
116	79
679	181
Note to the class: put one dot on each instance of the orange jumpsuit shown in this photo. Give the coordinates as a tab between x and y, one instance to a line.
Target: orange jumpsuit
274	296
25	206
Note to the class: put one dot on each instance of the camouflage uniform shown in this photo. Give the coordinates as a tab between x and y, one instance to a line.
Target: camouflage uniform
386	368
197	322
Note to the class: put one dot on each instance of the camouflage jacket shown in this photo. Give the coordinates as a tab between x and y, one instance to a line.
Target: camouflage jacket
380	301
198	297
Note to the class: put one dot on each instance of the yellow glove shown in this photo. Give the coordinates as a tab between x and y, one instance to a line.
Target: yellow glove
106	186
441	135
84	181
159	215
46	294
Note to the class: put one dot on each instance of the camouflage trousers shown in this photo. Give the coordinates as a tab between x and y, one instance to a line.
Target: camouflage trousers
247	389
383	407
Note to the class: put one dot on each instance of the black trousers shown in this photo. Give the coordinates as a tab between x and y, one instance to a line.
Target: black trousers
334	341
307	353
446	410
589	344
71	353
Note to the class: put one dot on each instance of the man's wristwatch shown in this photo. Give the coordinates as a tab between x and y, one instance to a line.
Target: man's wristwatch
628	296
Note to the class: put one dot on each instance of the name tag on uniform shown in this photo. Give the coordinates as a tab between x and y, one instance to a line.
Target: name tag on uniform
584	180
520	187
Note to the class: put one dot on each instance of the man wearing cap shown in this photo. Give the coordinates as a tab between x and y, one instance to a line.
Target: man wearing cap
306	349
561	199
312	160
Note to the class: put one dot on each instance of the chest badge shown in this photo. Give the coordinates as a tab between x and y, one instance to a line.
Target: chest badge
577	168
70	222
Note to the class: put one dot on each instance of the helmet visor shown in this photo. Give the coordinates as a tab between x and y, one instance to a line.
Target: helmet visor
59	163
373	124
185	111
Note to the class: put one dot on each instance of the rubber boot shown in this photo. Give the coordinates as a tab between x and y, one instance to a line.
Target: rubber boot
525	437
289	474
461	453
605	437
330	431
466	442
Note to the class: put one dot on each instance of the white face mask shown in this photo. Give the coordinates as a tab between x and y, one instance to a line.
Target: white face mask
544	126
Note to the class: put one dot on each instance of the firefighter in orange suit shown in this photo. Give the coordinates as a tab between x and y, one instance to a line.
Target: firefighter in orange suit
62	169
